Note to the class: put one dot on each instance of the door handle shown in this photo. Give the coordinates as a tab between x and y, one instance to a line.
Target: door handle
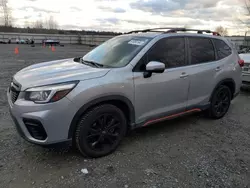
218	69
183	75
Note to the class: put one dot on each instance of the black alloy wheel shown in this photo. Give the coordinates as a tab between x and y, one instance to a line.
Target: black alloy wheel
220	102
104	132
100	131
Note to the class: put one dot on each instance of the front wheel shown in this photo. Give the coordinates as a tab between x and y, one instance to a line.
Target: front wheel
100	131
220	102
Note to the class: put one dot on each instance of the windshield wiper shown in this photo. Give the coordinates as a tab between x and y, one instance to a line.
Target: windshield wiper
92	63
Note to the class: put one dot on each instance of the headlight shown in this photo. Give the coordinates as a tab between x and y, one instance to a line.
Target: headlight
49	93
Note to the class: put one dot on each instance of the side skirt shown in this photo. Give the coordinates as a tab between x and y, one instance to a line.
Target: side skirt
170	116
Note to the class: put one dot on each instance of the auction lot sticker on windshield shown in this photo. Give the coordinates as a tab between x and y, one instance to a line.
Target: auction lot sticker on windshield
137	42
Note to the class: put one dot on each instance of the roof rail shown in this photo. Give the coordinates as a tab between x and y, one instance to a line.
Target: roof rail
174	30
152	29
198	31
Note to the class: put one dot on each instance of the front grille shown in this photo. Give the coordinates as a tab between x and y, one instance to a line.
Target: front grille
14	91
14	95
35	129
246	68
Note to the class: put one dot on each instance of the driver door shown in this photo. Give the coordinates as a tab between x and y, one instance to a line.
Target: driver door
166	93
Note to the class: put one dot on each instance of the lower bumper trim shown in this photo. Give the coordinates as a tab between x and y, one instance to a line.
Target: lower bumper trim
21	133
18	128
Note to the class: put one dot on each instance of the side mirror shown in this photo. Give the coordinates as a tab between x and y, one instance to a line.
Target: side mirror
154	67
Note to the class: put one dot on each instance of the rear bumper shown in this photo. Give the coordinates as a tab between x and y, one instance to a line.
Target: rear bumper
245	82
245	78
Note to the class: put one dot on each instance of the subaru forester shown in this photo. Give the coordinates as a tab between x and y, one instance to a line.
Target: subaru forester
130	81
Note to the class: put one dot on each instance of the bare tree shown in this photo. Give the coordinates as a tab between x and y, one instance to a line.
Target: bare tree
38	24
6	12
245	17
247	7
52	23
221	30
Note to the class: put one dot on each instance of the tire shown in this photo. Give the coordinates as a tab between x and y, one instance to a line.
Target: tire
220	102
100	131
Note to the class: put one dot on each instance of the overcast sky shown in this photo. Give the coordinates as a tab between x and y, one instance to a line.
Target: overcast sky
125	15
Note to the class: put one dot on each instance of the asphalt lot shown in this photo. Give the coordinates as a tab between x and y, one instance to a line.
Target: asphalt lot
189	152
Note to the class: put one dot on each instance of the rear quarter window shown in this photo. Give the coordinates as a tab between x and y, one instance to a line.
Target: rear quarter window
222	49
201	50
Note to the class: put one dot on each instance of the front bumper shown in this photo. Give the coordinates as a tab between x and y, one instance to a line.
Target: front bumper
54	117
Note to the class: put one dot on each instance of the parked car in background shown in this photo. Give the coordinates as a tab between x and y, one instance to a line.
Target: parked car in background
51	42
246	69
129	81
29	41
20	41
2	41
244	50
7	41
17	40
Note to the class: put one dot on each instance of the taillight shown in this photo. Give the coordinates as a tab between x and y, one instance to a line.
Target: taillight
241	62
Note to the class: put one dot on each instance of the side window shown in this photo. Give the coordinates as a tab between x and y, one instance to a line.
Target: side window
201	50
223	50
170	51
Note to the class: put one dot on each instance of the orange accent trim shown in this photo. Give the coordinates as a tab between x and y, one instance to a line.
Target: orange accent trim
171	116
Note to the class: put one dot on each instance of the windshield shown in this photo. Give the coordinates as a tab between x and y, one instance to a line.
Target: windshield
117	52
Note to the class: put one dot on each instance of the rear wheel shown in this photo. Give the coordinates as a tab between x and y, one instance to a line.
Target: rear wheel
100	131
220	102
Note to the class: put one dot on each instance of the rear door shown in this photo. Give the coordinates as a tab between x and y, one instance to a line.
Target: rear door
163	93
202	70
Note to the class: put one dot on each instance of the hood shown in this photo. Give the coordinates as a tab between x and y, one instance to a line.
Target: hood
56	72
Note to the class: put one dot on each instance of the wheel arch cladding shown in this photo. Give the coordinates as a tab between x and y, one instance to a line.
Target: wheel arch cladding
229	82
121	102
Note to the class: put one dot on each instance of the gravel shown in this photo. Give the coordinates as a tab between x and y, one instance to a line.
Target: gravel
188	152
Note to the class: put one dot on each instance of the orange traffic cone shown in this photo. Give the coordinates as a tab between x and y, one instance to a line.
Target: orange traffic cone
53	49
16	50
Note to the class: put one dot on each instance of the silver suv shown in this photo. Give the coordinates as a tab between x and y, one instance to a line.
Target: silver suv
130	81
